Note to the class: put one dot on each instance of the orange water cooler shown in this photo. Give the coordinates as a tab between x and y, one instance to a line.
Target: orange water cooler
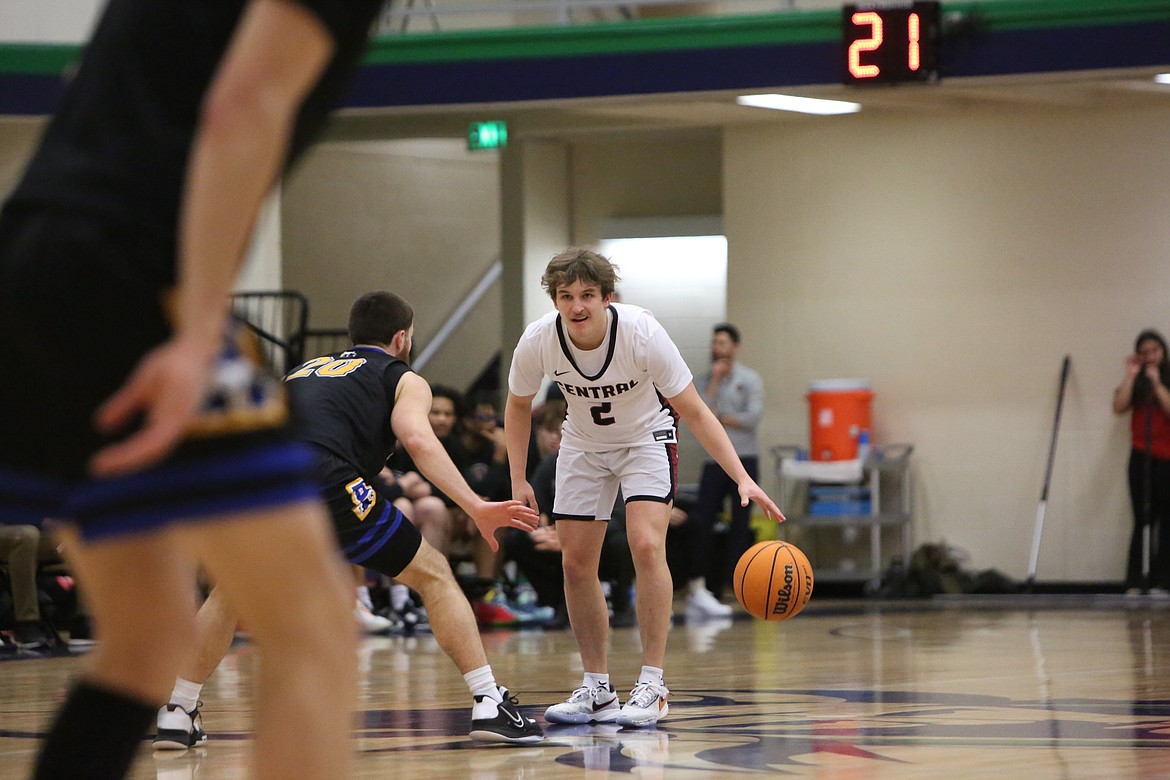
839	410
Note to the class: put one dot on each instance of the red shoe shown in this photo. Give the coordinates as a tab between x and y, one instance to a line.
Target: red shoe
491	614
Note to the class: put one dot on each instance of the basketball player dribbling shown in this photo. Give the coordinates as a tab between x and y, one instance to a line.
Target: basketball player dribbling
626	386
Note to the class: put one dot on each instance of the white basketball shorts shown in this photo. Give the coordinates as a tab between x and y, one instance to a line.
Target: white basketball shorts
587	482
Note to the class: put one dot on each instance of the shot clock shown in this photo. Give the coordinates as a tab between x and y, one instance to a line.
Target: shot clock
888	43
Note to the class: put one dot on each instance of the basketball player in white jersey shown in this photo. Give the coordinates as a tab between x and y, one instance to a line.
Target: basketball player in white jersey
626	386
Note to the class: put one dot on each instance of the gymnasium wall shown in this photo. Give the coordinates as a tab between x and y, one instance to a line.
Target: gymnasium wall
954	260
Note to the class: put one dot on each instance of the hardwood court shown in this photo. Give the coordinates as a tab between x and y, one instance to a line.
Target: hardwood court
1029	687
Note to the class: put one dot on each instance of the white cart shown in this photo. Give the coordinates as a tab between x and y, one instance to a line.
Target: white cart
883	478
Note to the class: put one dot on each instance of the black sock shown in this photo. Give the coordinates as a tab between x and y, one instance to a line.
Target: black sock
94	737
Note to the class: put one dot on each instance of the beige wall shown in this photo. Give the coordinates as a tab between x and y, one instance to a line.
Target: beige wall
420	218
644	177
953	261
17	139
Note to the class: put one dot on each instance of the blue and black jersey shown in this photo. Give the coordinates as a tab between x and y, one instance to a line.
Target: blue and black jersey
341	404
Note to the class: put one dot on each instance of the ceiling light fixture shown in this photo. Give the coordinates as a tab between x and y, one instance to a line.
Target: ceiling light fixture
800	104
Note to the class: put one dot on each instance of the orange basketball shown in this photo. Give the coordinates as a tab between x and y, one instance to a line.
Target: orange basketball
773	580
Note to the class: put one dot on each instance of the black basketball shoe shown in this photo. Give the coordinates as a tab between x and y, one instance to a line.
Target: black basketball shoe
508	724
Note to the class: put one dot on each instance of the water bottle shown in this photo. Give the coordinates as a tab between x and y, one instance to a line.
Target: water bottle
863	445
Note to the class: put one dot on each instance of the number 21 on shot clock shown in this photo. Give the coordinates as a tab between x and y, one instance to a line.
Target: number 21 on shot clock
887	43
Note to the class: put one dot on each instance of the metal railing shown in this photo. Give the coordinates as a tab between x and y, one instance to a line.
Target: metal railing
279	319
324	341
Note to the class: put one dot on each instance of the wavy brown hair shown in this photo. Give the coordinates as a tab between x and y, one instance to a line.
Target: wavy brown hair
579	265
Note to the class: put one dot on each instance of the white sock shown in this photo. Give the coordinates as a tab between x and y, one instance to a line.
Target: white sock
363	594
594	680
399	593
186	694
481	682
696	585
650	674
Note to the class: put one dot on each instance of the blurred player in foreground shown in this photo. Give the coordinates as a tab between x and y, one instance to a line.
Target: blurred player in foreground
138	416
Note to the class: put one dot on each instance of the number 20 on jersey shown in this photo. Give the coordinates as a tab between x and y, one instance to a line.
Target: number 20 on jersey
886	43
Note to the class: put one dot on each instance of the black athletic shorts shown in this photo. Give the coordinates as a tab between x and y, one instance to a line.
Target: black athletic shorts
78	310
372	531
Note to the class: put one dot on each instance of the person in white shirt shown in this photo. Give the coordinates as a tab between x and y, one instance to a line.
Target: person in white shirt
626	386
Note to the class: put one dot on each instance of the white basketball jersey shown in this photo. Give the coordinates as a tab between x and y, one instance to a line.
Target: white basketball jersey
616	394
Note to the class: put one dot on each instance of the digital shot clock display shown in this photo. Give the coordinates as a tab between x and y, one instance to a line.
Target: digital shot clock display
888	43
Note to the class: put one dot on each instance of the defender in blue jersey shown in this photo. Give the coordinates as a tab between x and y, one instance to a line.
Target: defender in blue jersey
351	408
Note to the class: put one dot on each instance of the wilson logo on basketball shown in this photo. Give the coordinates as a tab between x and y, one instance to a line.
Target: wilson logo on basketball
784	595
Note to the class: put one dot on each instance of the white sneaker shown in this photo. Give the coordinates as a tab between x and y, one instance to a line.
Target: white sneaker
586	705
1159	593
371	623
178	729
646	705
703	604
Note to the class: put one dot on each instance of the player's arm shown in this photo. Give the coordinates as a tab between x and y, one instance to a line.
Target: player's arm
408	420
517	431
276	56
710	433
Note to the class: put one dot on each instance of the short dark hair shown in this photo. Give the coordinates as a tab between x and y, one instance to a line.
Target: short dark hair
453	395
482	398
579	265
731	331
376	316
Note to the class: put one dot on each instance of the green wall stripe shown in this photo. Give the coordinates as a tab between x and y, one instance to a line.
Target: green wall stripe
37	57
699	32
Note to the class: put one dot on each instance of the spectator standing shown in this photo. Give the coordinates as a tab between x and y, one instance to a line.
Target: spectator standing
1144	393
735	393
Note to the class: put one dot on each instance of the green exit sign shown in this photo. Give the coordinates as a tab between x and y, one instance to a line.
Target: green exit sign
487	135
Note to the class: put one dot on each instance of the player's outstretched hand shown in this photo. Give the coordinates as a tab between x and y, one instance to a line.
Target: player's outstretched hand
523	492
750	491
165	390
491	515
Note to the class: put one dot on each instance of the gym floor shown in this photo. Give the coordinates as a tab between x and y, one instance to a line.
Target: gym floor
963	687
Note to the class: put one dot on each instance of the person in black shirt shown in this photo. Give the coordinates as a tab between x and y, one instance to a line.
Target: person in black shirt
351	407
134	417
